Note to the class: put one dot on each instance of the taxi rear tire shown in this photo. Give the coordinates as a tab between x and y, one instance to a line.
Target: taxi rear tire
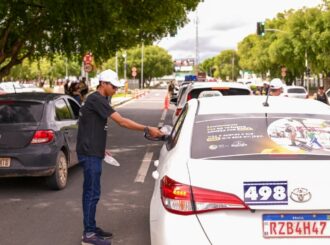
58	180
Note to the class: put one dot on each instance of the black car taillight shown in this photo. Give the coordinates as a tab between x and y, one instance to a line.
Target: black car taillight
42	136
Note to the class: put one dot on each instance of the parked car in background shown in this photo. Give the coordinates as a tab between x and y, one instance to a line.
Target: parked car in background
11	87
2	91
16	87
295	92
181	90
38	134
29	87
193	90
328	94
206	94
244	172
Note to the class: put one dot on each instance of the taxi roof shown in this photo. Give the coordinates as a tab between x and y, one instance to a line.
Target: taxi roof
254	104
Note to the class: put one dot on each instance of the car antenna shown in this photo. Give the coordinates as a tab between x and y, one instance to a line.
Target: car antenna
266	102
14	88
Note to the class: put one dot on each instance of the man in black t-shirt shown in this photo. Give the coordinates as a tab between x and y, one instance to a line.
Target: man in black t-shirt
91	143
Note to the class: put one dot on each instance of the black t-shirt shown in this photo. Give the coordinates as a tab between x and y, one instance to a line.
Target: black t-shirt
92	127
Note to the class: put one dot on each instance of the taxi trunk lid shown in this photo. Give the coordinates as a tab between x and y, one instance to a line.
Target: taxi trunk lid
267	185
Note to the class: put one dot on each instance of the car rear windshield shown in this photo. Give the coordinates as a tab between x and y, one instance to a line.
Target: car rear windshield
260	137
20	111
223	90
297	90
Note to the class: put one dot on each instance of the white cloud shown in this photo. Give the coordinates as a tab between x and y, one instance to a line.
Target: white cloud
223	23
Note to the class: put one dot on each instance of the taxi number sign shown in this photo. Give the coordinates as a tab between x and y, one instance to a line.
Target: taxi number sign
266	193
296	225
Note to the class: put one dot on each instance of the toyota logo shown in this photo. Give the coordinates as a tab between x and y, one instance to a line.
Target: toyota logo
300	195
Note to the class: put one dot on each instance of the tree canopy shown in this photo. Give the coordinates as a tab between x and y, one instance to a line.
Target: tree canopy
292	39
156	62
39	28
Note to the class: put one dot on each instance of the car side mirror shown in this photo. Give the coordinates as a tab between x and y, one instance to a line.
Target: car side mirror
166	129
174	100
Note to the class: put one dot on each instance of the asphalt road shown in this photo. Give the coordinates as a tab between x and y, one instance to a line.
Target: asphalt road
31	214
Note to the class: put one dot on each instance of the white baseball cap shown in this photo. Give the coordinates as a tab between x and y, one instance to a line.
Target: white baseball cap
276	83
111	77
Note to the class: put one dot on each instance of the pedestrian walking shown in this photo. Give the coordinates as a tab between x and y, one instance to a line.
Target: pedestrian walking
171	88
321	96
91	143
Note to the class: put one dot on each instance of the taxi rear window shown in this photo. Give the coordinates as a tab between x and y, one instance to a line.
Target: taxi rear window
296	90
223	90
20	111
260	137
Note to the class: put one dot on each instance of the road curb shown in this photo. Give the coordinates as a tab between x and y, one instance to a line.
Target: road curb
136	96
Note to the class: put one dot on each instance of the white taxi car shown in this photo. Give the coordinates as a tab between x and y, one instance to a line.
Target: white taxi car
244	173
193	90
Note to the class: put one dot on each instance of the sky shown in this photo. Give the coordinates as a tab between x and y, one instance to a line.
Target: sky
223	24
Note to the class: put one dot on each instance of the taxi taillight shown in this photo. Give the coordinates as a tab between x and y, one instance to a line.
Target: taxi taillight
184	199
178	111
42	136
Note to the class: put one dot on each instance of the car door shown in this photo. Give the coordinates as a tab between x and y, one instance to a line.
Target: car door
75	108
68	124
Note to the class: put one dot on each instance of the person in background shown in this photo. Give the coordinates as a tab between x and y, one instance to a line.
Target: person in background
74	91
83	88
66	86
321	96
91	143
276	87
171	87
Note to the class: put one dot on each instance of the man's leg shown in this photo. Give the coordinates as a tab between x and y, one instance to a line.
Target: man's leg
91	190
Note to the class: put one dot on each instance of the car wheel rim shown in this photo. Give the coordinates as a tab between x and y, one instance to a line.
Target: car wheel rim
62	170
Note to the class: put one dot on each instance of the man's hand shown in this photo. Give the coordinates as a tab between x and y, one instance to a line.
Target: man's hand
155	132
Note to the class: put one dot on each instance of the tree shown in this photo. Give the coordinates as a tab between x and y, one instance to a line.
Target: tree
226	64
157	62
44	69
208	66
44	28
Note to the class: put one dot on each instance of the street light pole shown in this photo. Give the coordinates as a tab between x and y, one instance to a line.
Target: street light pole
233	67
125	56
117	62
307	75
142	57
66	67
196	44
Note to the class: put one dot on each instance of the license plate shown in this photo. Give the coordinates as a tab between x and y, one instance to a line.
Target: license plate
296	225
4	162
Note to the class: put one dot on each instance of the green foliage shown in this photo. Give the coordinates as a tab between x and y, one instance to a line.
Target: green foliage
226	65
291	39
208	66
44	69
156	62
45	28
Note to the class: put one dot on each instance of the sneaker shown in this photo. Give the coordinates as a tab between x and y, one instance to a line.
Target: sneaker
103	234
94	239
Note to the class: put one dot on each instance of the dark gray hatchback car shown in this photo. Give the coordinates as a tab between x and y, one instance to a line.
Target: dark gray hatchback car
38	134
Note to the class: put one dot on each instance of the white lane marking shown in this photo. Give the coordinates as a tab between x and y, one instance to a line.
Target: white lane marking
143	170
